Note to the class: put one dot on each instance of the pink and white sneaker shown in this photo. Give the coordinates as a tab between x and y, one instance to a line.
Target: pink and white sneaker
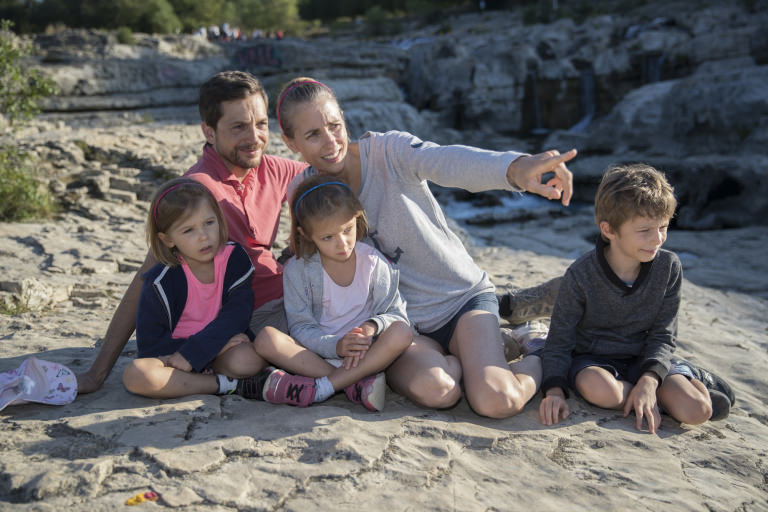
369	392
283	388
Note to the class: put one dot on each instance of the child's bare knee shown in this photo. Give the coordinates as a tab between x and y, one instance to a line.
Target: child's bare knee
267	338
403	329
239	361
695	413
401	335
594	388
136	376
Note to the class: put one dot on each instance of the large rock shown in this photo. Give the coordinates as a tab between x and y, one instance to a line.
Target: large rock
719	107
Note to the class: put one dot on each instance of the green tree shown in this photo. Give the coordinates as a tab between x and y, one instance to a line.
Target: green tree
151	16
194	14
265	14
21	89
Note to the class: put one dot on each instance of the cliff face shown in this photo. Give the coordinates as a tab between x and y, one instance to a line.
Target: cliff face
678	85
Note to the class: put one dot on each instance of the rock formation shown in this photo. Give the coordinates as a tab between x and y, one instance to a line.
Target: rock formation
684	91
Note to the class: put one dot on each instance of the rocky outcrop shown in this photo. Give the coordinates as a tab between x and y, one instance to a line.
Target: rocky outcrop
95	73
685	90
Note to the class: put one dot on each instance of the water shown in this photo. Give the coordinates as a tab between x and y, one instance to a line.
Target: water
588	102
512	205
531	80
652	67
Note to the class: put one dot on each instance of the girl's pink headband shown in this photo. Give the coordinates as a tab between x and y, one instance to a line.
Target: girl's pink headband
165	192
289	89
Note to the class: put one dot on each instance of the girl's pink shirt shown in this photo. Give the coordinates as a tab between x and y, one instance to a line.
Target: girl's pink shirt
203	299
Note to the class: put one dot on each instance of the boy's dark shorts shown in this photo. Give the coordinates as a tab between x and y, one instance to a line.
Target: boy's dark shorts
628	369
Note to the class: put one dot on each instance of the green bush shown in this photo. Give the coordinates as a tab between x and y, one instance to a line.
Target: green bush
125	36
22	196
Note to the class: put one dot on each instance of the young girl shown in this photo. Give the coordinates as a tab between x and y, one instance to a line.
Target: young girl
450	300
195	304
341	296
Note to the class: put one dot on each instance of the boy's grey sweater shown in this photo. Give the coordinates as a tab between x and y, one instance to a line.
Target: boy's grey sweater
437	274
596	313
303	299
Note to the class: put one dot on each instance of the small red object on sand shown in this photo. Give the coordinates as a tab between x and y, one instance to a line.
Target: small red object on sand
142	497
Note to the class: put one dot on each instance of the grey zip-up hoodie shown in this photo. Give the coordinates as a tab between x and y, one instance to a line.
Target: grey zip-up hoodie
303	298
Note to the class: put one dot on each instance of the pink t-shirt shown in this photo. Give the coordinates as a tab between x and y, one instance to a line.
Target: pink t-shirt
252	212
203	299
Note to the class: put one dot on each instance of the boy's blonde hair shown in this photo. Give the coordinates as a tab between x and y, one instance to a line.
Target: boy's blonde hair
300	90
173	201
318	198
634	190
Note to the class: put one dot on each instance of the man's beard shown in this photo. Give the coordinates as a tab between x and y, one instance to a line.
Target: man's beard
238	160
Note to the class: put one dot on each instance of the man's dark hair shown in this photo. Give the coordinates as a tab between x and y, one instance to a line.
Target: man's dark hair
226	86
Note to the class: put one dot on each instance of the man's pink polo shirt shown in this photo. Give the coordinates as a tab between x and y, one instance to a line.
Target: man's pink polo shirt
251	211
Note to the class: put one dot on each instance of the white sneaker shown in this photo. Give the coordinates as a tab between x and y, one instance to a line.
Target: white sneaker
524	339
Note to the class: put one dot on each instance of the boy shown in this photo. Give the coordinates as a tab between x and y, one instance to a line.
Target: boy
614	324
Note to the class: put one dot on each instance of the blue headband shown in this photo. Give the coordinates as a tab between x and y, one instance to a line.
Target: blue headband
302	196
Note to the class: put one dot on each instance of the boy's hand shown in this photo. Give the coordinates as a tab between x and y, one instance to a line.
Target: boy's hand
642	399
234	341
179	362
352	347
553	407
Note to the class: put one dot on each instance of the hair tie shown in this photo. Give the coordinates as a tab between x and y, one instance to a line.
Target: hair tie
165	192
302	196
289	89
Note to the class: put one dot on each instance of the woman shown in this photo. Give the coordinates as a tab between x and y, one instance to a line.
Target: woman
449	299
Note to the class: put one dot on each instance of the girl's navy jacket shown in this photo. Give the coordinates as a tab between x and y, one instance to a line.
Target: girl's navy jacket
163	297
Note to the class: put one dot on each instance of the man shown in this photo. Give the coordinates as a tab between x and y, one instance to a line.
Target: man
250	188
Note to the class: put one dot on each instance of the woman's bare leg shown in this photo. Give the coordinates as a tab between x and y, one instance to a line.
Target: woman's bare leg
426	375
493	387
